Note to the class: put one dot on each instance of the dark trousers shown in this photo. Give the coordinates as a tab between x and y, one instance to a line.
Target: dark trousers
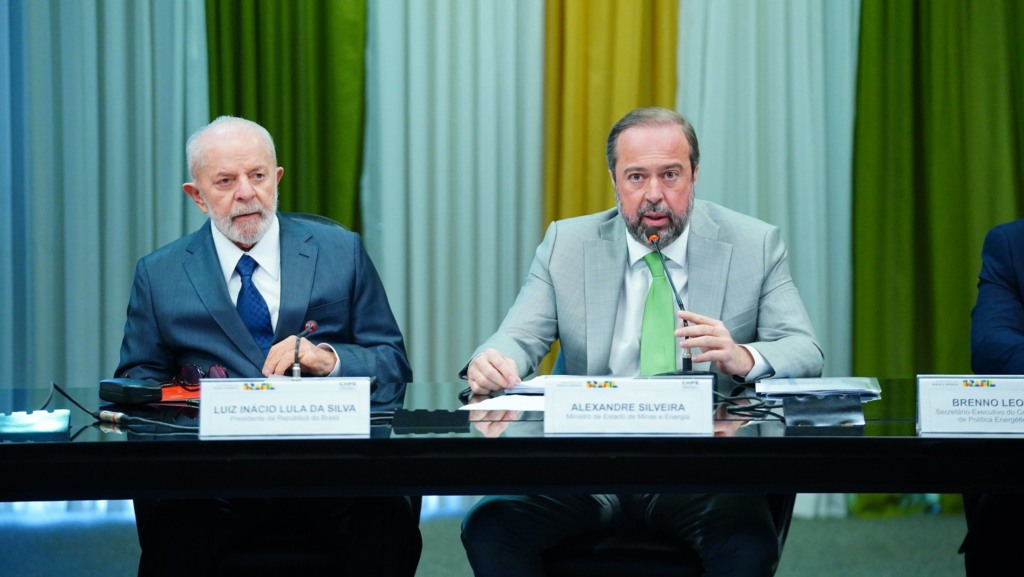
994	532
376	536
733	534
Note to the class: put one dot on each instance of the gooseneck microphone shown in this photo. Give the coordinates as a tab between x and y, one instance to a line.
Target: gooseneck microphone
652	236
309	328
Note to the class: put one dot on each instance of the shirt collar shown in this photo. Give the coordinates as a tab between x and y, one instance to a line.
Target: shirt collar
266	252
675	252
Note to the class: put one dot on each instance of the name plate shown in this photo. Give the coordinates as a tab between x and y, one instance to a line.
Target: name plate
631	405
282	407
970	404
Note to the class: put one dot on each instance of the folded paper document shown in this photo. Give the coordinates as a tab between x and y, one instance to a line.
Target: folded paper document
866	387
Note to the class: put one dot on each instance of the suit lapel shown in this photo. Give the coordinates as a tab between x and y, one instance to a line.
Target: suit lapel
605	260
298	264
203	270
707	261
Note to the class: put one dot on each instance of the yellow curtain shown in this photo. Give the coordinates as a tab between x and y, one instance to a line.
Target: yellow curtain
602	59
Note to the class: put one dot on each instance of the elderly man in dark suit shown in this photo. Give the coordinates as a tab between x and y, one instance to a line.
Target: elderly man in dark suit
233	295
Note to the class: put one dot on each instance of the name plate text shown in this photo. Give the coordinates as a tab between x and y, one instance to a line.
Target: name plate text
970	404
630	405
282	407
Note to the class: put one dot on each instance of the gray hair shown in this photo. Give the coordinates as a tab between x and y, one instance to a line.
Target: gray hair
196	145
651	116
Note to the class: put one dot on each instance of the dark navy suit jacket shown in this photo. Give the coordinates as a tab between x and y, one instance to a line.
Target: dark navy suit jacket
180	311
997	321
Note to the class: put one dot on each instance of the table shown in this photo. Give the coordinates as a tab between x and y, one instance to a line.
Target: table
105	463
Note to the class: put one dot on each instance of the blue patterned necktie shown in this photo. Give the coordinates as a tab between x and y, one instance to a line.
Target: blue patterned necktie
251	306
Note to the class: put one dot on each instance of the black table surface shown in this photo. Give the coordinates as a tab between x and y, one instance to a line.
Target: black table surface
439	450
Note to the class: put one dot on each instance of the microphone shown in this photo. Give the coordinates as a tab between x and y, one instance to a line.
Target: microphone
308	329
651	233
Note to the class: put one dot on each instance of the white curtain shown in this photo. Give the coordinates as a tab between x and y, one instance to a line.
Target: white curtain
96	100
770	88
452	172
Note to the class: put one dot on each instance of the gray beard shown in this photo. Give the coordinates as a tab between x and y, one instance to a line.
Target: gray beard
676	222
235	234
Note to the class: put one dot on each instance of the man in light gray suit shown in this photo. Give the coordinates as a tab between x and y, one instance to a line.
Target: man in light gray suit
587	287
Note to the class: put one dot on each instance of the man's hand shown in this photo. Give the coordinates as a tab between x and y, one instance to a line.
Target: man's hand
714	344
313	359
491	371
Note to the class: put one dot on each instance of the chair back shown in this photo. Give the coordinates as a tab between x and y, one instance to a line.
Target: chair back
310	217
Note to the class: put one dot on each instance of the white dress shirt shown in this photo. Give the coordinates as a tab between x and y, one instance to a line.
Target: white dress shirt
267	277
625	353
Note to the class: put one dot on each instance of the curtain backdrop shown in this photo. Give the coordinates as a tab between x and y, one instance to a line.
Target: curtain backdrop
297	69
452	167
938	151
97	100
939	157
12	170
594	73
769	87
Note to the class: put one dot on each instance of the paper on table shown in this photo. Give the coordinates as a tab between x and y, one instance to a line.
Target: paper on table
867	387
508	403
534	386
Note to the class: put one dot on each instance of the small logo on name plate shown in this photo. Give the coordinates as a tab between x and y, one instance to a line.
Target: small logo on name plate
264	386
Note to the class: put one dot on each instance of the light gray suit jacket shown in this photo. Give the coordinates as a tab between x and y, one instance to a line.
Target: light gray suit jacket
737	269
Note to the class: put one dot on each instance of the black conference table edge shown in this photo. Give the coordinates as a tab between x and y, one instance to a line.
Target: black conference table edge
473	466
443	464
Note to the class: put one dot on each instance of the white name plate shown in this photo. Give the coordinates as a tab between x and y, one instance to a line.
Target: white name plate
970	404
282	407
628	406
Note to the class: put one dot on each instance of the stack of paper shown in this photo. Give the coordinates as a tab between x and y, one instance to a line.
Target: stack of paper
866	387
534	386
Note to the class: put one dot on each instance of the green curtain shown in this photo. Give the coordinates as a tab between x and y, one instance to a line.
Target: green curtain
297	69
937	162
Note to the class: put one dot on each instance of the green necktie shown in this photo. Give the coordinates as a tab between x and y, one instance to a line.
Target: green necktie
657	337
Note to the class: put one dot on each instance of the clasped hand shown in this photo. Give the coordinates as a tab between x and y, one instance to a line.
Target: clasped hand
312	359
